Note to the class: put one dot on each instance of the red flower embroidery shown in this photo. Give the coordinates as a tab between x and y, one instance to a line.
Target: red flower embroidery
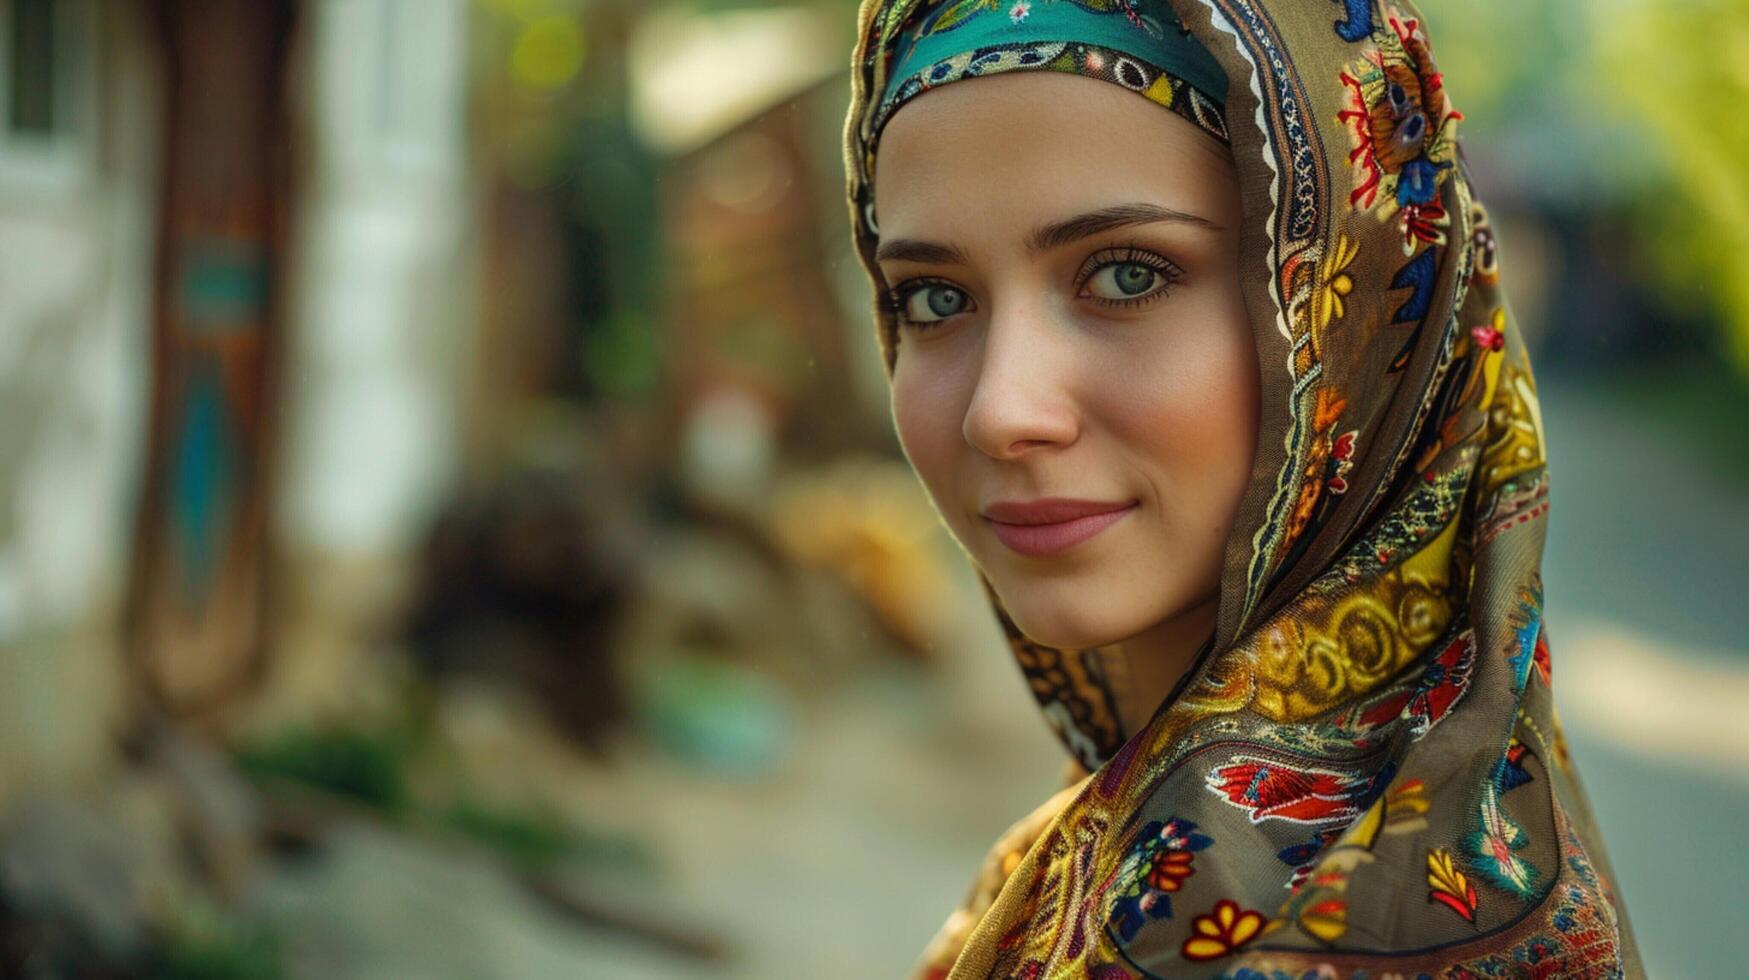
1491	335
1423	223
1540	657
1341	460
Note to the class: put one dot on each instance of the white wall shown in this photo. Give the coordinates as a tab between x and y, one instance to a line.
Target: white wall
383	275
76	219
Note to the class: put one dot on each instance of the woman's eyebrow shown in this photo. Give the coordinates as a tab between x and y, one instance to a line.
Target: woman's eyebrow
926	253
1081	226
1054	235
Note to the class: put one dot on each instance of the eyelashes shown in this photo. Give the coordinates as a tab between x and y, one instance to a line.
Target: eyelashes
920	302
1124	277
1159	274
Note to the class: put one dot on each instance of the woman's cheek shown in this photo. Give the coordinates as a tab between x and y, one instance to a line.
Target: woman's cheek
1192	420
929	432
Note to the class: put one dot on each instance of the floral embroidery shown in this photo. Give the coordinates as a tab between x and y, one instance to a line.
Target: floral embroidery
1163	855
1302	857
1515	443
1526	622
1442	685
1224	929
1403	131
1406	806
1577	937
1540	657
1427	511
1486	270
1449	886
1419	276
1328	410
1320	906
1298	854
1169	869
1341	461
951	15
1325	918
1272	789
1494	847
1509	771
1335	283
1422	223
1018	12
1491	336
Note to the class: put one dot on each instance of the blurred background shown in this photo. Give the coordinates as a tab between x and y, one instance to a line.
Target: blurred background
450	524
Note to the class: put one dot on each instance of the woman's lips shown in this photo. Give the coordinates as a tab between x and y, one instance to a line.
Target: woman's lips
1047	527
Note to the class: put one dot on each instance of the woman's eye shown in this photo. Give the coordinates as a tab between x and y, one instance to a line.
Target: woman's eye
1124	280
928	303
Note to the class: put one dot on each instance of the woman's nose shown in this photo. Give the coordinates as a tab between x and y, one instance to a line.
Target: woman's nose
1020	401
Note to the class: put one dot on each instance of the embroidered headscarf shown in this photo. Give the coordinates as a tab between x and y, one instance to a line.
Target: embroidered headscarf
1138	44
1363	774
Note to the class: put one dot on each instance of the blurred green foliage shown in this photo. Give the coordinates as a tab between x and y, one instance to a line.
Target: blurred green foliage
204	943
375	767
524	839
364	766
553	106
1685	79
530	839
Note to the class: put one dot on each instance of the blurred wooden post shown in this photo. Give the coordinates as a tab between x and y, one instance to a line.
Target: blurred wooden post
198	601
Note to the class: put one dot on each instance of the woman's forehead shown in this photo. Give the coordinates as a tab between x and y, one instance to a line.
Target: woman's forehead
1042	146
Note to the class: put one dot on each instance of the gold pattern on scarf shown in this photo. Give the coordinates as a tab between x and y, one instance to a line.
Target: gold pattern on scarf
1004	857
1515	429
1066	908
1225	688
1343	647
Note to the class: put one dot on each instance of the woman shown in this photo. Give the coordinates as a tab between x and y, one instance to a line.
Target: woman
1217	388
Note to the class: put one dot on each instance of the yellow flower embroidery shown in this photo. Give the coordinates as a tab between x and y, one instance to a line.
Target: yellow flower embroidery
1334	283
1449	886
1406	807
1222	930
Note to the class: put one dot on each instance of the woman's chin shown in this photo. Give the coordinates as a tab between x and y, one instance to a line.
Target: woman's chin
1086	613
1063	629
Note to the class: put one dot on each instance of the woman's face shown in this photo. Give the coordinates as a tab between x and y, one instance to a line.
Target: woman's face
1064	257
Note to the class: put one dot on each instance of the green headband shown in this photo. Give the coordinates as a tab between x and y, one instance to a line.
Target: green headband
1138	44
